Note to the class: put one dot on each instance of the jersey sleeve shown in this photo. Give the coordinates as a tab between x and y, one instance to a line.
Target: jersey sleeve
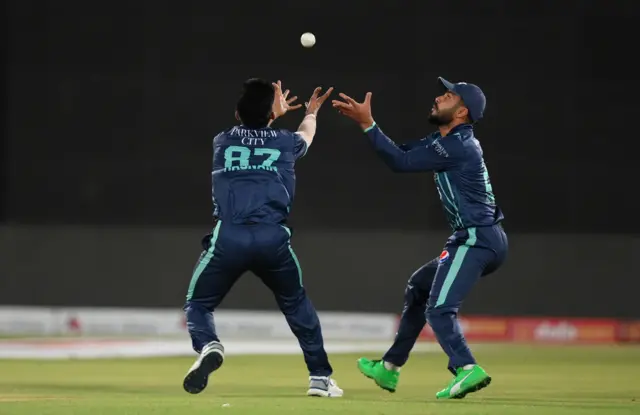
433	155
299	146
415	143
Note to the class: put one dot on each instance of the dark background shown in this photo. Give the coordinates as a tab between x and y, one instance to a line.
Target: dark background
111	109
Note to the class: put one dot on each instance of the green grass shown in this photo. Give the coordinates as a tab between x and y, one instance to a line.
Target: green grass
526	380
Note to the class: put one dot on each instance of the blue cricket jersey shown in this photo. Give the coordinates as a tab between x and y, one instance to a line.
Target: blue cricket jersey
253	177
460	173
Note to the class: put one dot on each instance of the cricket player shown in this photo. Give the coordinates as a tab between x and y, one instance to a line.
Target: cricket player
477	247
253	185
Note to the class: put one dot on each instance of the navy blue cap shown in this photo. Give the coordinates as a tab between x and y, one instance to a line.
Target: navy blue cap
471	94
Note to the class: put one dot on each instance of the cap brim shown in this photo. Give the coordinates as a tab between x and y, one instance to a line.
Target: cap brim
446	84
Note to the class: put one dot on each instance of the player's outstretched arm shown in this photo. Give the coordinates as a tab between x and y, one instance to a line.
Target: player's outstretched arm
415	158
307	128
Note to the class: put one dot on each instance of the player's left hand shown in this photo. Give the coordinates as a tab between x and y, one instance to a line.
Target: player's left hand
282	104
315	102
360	112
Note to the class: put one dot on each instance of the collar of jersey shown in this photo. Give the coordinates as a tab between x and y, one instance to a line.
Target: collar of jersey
247	128
458	129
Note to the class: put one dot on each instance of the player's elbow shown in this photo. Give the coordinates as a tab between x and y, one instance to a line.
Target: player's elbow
399	165
397	162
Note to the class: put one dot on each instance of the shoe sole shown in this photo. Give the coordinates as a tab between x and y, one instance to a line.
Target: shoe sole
319	393
388	389
197	379
475	388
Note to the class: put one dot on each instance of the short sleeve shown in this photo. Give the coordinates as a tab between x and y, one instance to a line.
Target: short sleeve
299	146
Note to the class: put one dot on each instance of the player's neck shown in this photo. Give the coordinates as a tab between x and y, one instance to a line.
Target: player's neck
446	129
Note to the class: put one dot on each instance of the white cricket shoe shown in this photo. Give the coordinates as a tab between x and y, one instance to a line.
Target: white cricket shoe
324	386
210	360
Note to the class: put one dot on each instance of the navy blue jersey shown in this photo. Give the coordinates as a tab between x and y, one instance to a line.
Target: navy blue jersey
253	178
460	173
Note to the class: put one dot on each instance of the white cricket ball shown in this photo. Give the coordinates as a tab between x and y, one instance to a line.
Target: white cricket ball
308	39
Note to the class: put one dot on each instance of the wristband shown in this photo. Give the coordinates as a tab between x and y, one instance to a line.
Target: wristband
370	127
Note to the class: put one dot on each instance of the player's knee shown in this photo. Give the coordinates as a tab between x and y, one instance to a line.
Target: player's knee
414	296
435	314
421	280
409	296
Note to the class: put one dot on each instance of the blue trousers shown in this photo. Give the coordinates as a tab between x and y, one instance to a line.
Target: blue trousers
265	249
436	291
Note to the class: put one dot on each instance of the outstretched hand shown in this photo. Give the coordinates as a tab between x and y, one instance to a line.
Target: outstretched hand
316	100
282	104
360	112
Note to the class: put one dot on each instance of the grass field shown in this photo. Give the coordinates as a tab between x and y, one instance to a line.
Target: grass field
526	380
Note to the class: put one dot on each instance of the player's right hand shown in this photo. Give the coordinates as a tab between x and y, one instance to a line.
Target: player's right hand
281	105
359	112
316	100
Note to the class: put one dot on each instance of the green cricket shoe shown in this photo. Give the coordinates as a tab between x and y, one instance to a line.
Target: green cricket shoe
465	381
374	369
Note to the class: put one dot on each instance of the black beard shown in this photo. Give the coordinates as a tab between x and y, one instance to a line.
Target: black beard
439	119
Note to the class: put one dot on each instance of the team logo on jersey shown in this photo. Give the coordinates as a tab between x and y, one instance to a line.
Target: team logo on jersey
443	256
439	148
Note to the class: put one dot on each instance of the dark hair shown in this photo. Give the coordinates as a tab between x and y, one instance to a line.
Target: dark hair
255	103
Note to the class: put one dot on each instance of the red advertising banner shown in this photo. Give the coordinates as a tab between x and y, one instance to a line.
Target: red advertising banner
555	330
630	331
